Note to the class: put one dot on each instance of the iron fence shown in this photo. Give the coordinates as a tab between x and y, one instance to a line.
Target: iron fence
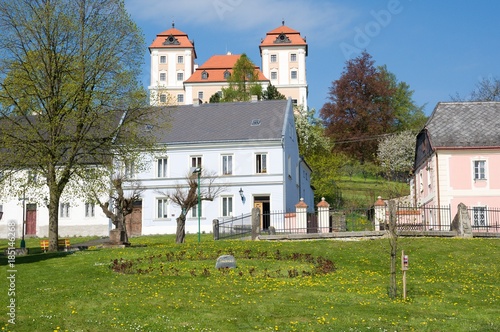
234	227
423	218
484	219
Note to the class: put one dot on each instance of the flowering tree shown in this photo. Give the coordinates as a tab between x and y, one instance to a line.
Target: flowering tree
396	154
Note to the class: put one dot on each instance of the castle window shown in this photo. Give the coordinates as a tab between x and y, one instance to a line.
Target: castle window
163	59
180	59
273	58
293	57
293	74
227	74
204	75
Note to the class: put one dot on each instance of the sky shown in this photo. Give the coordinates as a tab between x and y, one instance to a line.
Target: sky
440	48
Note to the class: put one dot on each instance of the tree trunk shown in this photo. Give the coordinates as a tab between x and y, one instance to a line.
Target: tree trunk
181	229
120	224
53	222
393	239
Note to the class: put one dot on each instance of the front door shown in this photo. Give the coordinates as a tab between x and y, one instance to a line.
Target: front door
31	219
263	204
133	221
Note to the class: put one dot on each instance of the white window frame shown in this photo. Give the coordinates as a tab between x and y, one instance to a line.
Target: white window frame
180	98
162	167
194	211
163	98
162	204
293	57
180	59
200	95
227	164
163	77
89	210
163	59
479	168
274	75
261	163
477	213
64	209
294	74
196	161
180	76
274	58
227	206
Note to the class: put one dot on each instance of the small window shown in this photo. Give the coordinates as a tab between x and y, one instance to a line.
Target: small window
194	210
200	95
64	210
163	59
273	58
180	59
163	98
180	98
129	169
227	165
204	75
162	208
163	77
180	76
227	74
479	170
227	206
261	163
479	216
89	210
293	57
196	161
293	74
274	75
161	168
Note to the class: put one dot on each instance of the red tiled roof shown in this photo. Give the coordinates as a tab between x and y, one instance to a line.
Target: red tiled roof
293	36
216	66
181	37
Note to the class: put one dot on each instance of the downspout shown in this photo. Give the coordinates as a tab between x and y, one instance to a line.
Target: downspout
437	189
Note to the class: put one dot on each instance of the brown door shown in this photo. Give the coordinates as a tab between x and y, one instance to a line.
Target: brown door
31	219
262	202
134	220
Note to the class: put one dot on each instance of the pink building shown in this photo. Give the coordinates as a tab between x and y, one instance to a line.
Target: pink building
457	160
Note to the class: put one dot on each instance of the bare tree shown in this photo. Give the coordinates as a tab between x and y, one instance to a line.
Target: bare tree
487	89
187	198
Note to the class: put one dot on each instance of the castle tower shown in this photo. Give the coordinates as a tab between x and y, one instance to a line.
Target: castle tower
283	52
172	62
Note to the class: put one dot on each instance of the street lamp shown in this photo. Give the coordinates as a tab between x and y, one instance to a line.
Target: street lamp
198	170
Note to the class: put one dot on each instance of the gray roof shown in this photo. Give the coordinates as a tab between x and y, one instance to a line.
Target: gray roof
224	122
465	124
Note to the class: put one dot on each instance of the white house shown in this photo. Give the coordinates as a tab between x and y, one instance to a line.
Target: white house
251	146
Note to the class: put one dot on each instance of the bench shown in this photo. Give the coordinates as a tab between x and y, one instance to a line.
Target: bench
61	244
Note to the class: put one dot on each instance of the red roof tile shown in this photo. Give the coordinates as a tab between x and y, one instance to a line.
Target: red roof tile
293	36
182	40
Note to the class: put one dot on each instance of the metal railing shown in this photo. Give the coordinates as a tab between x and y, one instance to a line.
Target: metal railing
234	227
484	219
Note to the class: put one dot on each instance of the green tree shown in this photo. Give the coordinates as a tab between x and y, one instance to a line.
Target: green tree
272	93
68	91
360	108
243	82
407	115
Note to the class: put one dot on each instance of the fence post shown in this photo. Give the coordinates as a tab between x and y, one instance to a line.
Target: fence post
301	213
215	226
255	223
323	216
380	214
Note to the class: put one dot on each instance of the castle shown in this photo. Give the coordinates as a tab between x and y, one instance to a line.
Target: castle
177	79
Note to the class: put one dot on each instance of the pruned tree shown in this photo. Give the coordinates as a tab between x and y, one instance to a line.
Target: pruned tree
272	93
185	196
243	82
69	97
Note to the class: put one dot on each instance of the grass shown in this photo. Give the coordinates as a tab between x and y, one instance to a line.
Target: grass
453	285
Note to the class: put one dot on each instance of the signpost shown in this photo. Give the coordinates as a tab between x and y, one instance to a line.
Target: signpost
404	268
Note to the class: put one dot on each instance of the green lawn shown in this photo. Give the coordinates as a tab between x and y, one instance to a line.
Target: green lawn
453	285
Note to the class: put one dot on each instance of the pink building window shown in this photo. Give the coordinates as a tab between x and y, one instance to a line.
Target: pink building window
479	170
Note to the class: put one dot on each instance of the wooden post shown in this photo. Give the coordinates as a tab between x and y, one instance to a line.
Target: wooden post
404	268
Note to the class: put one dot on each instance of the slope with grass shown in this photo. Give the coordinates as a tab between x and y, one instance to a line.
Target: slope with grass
453	285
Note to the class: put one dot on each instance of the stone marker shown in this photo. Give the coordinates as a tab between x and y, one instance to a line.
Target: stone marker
225	261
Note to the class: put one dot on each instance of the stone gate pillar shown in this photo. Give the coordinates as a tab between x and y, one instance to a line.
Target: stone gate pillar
380	214
301	215
323	216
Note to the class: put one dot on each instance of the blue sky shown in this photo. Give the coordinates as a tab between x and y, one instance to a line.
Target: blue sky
439	48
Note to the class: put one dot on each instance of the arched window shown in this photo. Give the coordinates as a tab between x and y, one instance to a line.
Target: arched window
204	75
227	74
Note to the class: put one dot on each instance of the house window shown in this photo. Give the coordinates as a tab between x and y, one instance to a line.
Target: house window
274	75
129	169
64	210
194	211
227	206
261	163
293	57
89	210
161	168
162	208
180	98
163	98
227	165
196	161
180	59
204	75
293	74
163	59
200	95
421	181
180	76
163	77
479	170
273	58
227	74
479	216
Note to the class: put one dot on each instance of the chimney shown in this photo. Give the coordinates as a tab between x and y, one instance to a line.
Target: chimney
196	102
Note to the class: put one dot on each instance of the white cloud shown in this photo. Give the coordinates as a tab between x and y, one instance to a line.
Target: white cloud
323	19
